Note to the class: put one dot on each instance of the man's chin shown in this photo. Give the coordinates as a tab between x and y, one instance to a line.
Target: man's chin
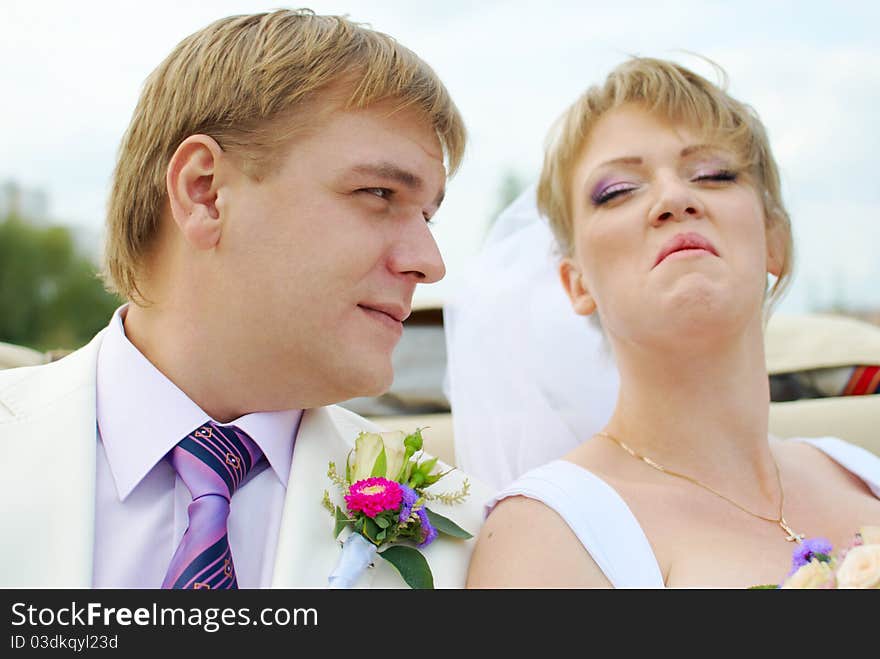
369	378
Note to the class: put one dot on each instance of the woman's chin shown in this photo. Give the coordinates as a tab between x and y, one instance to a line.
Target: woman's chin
705	313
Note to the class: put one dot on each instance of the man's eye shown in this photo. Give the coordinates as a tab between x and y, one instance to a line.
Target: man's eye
382	193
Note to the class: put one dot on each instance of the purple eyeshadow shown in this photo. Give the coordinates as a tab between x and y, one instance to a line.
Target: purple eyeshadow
600	187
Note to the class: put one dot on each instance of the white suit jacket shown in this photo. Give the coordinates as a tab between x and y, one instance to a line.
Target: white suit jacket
48	439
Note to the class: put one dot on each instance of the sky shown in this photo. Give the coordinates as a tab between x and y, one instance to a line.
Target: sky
71	73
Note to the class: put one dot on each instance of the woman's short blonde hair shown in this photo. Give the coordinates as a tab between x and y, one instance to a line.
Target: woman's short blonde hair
251	83
676	93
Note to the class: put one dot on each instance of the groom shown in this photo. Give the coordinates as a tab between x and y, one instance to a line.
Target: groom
268	226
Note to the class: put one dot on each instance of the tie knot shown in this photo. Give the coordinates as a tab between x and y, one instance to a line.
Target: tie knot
214	459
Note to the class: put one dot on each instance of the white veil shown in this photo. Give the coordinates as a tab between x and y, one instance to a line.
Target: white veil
527	378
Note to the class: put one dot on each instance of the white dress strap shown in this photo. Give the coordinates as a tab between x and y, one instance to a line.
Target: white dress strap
855	459
598	516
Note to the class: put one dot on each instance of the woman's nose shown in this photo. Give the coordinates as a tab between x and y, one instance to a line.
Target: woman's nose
675	201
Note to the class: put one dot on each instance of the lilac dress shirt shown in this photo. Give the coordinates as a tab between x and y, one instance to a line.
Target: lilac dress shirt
140	512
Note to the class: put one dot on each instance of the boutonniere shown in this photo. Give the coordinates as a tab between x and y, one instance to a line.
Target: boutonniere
386	512
815	565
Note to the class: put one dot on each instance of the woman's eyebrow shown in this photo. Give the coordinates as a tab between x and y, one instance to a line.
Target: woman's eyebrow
625	160
699	148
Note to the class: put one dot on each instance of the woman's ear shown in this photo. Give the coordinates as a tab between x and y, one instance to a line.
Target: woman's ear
191	182
776	244
573	282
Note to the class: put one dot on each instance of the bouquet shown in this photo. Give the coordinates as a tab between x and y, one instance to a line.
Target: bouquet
385	513
814	565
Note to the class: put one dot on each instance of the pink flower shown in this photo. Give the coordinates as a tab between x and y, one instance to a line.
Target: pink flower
373	496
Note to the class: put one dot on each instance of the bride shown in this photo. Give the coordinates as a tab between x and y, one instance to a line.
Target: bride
664	197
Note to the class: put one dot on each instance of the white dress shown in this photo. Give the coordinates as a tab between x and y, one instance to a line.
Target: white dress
607	527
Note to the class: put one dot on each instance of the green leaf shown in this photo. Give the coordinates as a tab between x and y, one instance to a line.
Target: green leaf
411	565
446	525
348	467
379	465
766	586
381	536
426	466
382	522
407	471
371	530
342	520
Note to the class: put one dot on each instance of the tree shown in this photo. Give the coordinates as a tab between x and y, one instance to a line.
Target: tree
50	296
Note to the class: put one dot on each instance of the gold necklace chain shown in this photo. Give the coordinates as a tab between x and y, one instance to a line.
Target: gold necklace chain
791	536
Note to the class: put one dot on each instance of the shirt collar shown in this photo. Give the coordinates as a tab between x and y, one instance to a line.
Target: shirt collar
142	414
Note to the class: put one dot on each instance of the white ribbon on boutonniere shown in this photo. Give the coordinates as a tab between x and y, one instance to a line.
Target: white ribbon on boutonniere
385	508
357	555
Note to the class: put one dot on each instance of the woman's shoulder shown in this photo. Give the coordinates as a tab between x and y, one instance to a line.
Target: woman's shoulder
838	456
526	543
542	501
574	505
528	539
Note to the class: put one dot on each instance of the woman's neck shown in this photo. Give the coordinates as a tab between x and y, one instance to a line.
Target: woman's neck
700	410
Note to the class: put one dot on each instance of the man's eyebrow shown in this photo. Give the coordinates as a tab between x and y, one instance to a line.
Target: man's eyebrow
392	172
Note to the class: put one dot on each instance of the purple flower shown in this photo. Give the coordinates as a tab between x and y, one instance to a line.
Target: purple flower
805	552
409	498
429	532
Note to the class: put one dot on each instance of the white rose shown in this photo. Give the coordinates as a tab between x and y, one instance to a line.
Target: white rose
870	535
860	568
395	452
368	448
815	574
372	449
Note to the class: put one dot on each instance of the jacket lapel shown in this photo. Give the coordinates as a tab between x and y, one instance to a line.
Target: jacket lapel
49	498
307	551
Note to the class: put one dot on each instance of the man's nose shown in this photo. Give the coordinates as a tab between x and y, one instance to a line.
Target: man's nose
417	254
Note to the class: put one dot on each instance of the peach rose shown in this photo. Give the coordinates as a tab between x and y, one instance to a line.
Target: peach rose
815	574
860	568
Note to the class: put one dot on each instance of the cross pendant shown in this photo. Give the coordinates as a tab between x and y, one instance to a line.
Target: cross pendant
792	535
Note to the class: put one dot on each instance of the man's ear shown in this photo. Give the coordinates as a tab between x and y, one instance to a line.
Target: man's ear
573	282
776	243
191	181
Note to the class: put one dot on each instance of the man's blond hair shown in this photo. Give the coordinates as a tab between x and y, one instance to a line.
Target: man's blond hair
252	83
674	92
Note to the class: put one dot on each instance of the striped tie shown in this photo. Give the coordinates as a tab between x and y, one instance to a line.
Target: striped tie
212	461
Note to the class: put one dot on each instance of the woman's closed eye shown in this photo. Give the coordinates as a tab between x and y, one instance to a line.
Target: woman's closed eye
605	193
716	176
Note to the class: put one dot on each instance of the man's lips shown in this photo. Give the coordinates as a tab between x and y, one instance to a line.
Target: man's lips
685	241
396	312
